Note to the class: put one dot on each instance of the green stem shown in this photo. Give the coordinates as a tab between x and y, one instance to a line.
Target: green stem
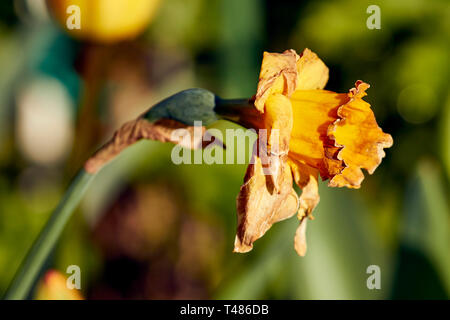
29	270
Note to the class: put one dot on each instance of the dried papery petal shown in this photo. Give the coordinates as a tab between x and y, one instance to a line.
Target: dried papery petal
300	238
267	195
360	139
278	75
286	72
278	119
135	130
306	178
312	72
259	205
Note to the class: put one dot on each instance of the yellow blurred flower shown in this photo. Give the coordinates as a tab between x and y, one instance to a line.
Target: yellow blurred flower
106	21
53	286
310	131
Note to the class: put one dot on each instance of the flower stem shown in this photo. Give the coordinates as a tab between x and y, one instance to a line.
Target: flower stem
240	111
31	266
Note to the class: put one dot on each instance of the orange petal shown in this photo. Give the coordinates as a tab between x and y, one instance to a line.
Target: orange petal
278	120
278	75
259	205
360	139
312	72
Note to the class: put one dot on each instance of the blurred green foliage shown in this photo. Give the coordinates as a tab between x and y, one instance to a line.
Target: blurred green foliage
398	220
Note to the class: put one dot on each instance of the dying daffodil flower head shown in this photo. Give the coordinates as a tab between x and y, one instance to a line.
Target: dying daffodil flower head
311	132
104	21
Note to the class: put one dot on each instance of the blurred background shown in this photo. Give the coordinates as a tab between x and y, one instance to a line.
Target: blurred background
149	229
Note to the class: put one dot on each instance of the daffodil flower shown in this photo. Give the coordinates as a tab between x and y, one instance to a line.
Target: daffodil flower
310	132
105	21
315	132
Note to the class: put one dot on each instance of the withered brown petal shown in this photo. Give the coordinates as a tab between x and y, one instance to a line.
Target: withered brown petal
136	130
278	119
259	205
278	75
306	177
300	238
